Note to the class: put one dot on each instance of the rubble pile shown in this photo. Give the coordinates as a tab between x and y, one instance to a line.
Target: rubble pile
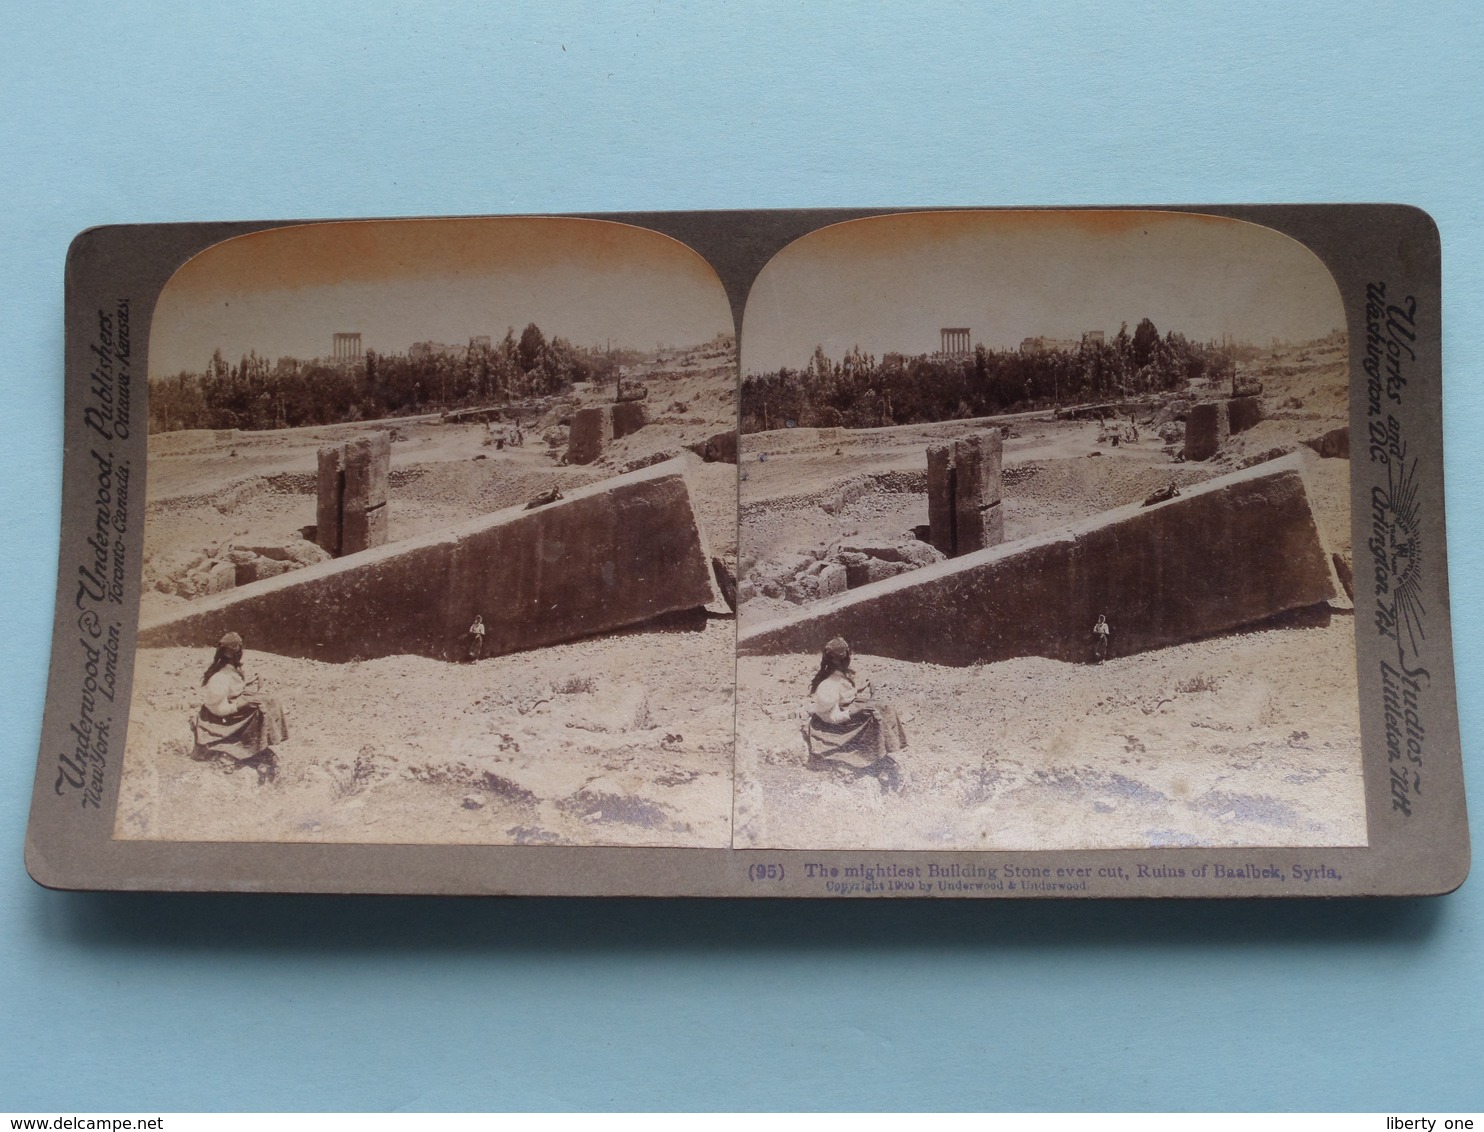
220	567
833	568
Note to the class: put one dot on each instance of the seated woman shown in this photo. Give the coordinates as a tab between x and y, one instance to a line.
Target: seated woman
845	724
236	722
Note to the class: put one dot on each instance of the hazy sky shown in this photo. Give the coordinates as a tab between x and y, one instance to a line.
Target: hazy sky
889	283
287	290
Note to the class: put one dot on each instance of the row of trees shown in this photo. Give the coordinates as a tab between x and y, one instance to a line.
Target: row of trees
259	394
861	392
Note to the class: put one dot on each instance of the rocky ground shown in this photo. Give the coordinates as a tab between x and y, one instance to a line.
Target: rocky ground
618	740
1247	739
624	739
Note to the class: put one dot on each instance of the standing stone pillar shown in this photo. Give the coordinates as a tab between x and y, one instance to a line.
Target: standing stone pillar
363	513
330	488
1206	429
1243	413
590	433
351	509
940	497
979	521
965	494
628	417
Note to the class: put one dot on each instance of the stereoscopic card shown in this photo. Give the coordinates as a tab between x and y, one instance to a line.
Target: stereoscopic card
854	553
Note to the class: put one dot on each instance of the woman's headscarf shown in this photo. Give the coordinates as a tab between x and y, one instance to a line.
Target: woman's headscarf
836	658
228	655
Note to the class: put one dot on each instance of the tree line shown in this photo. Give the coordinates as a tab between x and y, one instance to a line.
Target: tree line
260	394
860	391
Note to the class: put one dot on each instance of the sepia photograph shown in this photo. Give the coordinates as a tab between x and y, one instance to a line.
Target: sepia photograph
819	553
1045	538
439	540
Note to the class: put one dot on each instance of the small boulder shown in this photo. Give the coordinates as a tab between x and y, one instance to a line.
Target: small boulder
920	553
885	551
278	553
783	568
1332	445
872	570
831	580
221	577
306	553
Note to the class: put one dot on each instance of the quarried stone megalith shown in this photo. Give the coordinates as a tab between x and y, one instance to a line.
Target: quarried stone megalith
979	520
964	493
629	417
615	553
352	486
940	497
363	522
1206	429
330	491
1243	413
591	432
1226	553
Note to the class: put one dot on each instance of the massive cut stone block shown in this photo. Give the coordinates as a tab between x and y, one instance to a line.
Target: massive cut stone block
330	488
1242	413
1224	554
978	460
368	461
629	417
361	530
1206	429
363	518
978	521
591	432
351	508
940	497
614	553
964	493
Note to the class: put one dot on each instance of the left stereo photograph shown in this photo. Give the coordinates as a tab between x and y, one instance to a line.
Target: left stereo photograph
432	548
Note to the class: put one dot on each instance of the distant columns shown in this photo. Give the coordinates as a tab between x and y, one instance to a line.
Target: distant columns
955	339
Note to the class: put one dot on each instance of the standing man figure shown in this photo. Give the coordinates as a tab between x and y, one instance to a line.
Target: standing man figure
1100	633
476	637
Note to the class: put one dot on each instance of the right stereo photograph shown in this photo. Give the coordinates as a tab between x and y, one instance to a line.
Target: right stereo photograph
1045	538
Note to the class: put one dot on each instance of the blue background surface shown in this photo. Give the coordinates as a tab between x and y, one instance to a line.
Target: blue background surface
203	112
